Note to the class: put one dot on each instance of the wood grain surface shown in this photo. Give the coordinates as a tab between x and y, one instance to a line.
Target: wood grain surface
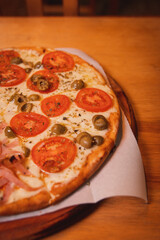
127	48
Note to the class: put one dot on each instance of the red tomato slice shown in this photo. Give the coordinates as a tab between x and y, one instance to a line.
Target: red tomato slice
58	61
93	100
29	124
50	77
7	55
54	154
11	75
55	105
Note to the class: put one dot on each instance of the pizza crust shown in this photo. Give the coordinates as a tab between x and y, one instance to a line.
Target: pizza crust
39	201
92	163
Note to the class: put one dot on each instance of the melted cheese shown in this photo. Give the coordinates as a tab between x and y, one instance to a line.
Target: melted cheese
20	193
76	120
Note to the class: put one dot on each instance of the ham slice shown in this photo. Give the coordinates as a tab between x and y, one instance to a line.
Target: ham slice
6	150
3	181
17	165
9	175
2	126
10	162
7	192
13	144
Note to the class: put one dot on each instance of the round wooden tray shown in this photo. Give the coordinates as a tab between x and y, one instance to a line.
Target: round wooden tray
45	225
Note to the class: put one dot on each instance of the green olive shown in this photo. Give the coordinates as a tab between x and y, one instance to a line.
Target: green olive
35	78
34	97
42	84
58	129
98	140
28	70
84	139
77	84
80	135
38	65
25	107
9	132
19	98
100	122
16	60
26	151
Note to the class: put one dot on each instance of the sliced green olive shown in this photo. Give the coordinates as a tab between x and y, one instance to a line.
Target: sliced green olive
38	65
16	60
9	132
77	84
25	107
34	97
100	122
28	70
26	151
42	84
58	129
35	78
84	139
80	135
98	140
19	98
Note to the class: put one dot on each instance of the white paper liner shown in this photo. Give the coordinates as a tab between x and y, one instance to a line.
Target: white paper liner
121	175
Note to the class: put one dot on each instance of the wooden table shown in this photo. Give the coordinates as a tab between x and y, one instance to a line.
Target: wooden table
129	49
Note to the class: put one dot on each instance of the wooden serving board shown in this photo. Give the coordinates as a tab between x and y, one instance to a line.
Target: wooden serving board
45	225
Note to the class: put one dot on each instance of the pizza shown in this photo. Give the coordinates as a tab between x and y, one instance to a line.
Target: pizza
59	120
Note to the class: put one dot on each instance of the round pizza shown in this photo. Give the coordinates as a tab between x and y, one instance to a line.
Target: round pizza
58	122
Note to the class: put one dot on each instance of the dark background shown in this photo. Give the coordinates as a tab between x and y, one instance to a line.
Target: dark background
100	8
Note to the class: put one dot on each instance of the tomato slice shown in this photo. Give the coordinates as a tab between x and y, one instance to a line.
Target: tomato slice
54	154
29	124
7	55
50	77
11	75
58	61
93	100
55	105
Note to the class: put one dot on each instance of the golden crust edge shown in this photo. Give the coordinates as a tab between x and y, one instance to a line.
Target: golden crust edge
36	202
